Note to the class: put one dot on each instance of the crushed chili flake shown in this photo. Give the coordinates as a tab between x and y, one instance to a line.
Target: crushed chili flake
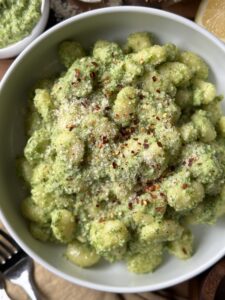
70	126
157	118
159	209
159	144
130	205
184	250
97	205
94	64
114	164
190	161
154	78
92	75
158	91
184	186
104	139
151	188
146	146
84	104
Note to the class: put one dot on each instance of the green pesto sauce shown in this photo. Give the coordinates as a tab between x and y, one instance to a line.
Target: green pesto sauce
125	149
17	19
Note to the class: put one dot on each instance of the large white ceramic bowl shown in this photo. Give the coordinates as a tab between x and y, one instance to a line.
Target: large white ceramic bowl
39	60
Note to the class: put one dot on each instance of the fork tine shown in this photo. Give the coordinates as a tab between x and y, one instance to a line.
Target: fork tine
9	239
6	248
4	255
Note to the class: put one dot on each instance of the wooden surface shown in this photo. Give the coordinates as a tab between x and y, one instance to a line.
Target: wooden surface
55	288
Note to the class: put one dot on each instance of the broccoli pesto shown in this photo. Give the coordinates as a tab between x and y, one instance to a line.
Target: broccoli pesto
124	150
17	19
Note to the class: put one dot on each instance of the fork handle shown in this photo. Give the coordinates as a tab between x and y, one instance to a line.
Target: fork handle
26	282
23	276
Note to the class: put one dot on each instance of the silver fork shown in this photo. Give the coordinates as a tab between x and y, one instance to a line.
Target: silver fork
17	266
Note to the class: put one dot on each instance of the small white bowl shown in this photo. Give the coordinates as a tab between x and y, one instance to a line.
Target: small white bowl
15	49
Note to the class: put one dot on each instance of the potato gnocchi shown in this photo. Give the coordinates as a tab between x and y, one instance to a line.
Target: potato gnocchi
125	149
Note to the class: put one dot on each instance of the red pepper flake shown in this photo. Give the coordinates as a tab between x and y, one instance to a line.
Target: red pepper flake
97	205
184	250
84	104
136	122
94	64
104	139
190	161
107	108
158	91
160	209
130	205
114	164
70	126
154	78
184	186
132	151
151	188
157	118
146	146
159	144
92	75
162	194
132	130
97	107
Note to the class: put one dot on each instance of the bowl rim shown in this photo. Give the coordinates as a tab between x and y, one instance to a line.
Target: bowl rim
36	257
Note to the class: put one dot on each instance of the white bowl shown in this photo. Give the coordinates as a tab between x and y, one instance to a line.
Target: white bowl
40	60
15	49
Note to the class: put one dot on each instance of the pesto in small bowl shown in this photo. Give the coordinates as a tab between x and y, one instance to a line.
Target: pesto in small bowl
17	19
